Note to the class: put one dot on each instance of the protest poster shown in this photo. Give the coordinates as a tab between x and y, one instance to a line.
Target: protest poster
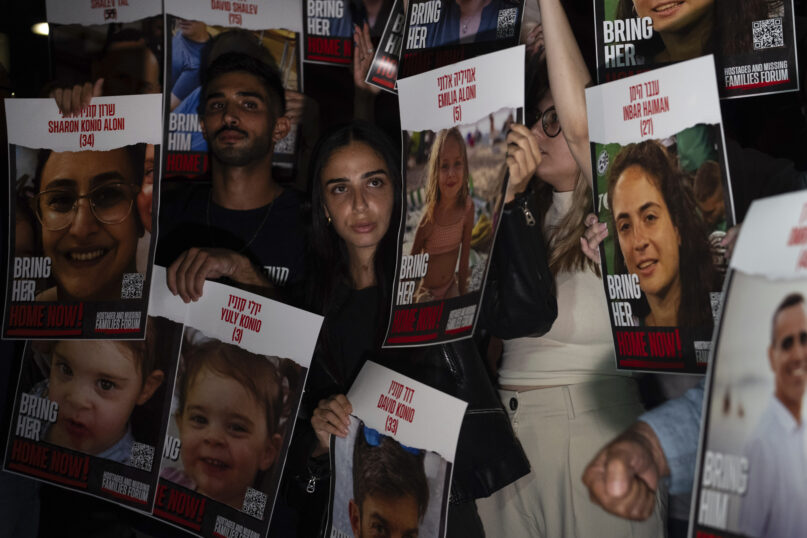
91	416
240	376
119	41
393	470
754	43
329	24
454	121
662	186
751	478
200	32
81	270
442	32
383	72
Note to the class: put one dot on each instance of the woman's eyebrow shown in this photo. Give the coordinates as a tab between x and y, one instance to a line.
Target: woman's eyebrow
106	177
648	205
374	173
60	183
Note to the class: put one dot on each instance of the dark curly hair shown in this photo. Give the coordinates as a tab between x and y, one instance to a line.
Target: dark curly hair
695	259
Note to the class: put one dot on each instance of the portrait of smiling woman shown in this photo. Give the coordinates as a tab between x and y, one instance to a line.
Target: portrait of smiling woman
686	29
89	226
662	237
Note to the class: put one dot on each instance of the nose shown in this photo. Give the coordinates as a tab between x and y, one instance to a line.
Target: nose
359	200
231	113
76	396
214	434
640	241
84	223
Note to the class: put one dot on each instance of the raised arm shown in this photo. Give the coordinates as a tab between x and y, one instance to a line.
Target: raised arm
568	78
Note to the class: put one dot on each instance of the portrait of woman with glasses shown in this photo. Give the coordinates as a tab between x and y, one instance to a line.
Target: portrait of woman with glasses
88	224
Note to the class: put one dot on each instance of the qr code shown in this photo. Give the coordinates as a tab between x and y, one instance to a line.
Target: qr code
254	503
506	25
714	300
768	34
141	456
477	274
132	286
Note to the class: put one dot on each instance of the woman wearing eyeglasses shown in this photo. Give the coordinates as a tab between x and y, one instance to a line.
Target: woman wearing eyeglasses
562	391
89	227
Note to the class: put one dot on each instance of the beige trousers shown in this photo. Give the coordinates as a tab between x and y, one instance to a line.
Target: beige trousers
561	429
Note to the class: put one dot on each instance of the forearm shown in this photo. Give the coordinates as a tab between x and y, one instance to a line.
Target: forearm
676	426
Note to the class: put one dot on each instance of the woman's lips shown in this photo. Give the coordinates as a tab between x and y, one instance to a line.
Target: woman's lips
668	8
364	228
645	268
86	256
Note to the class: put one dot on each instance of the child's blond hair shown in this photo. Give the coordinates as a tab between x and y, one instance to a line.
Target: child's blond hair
433	187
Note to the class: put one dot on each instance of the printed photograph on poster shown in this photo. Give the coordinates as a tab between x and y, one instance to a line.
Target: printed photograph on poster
329	26
754	47
91	415
752	468
454	182
240	376
393	469
81	269
379	481
383	72
662	188
437	32
192	46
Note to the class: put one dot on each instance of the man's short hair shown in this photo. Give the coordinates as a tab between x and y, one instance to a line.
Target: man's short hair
792	299
237	61
388	470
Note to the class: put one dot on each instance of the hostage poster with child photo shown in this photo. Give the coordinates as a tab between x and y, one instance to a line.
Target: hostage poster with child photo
240	376
754	42
393	470
751	478
200	32
82	202
454	120
91	415
662	187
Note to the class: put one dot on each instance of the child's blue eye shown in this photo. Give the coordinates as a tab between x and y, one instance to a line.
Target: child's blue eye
199	420
239	428
64	369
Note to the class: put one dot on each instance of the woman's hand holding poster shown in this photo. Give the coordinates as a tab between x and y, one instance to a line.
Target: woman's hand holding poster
454	120
662	186
394	467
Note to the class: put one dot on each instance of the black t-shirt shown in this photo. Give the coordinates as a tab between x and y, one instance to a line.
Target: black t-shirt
272	236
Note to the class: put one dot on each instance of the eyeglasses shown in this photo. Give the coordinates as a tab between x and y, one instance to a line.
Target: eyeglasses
549	121
110	203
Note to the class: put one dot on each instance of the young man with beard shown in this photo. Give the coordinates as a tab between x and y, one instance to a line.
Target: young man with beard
244	226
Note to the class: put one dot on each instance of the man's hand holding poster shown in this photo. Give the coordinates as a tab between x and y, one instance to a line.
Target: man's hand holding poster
393	469
662	187
82	205
454	120
752	466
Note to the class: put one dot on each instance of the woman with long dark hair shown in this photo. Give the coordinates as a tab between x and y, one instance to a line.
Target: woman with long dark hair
662	238
355	210
691	28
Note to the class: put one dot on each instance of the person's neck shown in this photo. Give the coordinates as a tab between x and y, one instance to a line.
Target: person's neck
244	187
689	42
362	268
664	307
470	8
564	184
793	406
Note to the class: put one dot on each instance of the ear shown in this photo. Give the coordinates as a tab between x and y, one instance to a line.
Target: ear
327	213
270	451
282	128
770	358
355	517
152	383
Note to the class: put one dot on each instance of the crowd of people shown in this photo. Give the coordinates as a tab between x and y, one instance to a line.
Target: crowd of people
564	447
